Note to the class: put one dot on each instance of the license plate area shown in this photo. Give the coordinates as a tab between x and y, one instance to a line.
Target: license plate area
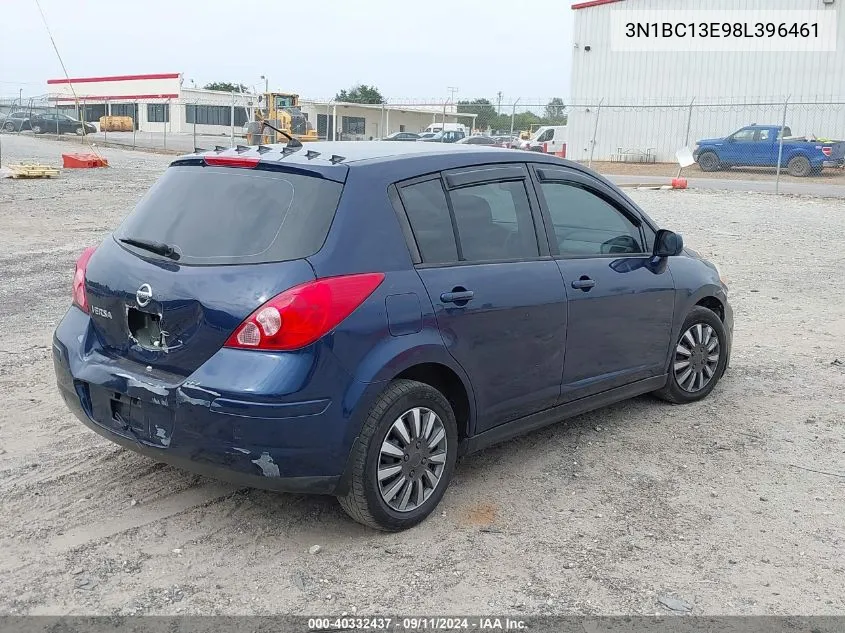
145	328
127	414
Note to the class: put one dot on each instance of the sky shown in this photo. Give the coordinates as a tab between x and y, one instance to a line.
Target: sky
411	50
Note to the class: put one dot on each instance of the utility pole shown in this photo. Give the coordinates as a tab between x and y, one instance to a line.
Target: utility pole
452	90
499	102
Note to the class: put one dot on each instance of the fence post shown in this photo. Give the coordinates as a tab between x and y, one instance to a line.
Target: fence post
57	119
595	131
780	144
164	118
82	118
513	113
232	118
107	114
135	123
689	125
195	123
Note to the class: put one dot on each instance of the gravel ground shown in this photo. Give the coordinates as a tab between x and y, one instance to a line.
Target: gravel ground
829	176
714	504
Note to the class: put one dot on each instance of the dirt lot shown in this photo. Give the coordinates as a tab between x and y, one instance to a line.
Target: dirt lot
605	514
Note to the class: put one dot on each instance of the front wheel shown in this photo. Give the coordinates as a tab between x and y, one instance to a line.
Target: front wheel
708	161
9	126
699	358
36	129
404	457
79	131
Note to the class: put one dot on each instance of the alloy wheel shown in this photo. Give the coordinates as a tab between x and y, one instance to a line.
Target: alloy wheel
412	459
696	358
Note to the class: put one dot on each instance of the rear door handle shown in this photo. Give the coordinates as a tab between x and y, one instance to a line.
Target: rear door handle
459	296
585	283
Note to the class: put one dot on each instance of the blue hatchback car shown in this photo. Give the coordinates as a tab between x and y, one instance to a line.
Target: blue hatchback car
349	318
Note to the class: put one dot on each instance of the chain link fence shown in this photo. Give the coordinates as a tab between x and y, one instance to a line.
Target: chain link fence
170	125
751	140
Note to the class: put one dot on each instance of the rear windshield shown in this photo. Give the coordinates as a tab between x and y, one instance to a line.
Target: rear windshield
220	215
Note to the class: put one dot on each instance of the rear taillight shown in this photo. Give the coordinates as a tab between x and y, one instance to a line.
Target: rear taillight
79	298
301	315
827	151
231	161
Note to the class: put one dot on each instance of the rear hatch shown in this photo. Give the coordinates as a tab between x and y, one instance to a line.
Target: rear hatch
203	249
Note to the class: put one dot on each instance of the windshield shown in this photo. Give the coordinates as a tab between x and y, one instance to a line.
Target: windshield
212	215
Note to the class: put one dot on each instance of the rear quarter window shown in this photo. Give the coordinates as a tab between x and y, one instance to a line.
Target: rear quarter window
219	215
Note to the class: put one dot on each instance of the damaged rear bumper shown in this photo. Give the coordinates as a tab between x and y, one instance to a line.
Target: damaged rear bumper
211	423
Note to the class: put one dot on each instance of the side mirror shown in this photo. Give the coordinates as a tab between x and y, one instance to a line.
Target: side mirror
731	139
668	244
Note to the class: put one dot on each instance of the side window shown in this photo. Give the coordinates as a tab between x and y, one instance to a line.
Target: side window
428	213
494	221
765	135
586	224
744	136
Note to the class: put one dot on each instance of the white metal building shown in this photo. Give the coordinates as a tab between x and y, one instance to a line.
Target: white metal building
159	102
641	102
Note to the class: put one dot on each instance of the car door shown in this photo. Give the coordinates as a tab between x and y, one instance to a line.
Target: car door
764	151
497	293
545	137
739	148
620	299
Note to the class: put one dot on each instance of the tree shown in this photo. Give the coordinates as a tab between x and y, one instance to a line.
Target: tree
360	93
481	107
555	113
225	86
522	121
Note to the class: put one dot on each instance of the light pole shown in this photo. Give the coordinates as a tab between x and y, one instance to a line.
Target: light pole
266	84
513	114
20	96
452	90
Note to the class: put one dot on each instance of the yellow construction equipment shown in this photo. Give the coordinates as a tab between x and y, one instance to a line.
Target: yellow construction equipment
281	111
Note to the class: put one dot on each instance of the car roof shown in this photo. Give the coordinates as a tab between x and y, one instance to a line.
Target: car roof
327	156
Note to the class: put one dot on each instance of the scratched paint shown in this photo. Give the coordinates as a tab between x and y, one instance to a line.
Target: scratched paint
162	435
267	466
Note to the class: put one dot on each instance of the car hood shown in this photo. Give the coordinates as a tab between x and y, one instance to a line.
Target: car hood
708	141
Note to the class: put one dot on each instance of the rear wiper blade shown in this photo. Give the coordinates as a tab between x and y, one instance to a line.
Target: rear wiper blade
159	248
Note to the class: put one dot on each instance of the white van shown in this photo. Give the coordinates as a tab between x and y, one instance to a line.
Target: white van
449	127
550	139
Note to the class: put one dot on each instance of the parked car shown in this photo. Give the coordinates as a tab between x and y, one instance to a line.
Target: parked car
425	135
401	136
53	123
759	146
351	319
449	127
505	140
478	139
16	121
449	136
550	139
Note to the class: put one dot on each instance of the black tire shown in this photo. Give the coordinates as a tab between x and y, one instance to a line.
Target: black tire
79	131
36	129
709	161
673	392
9	126
799	166
363	501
